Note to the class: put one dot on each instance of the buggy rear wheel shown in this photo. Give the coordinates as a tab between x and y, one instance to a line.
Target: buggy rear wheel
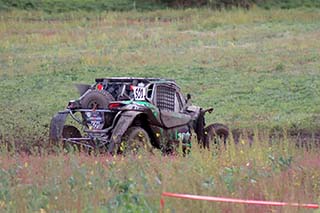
68	132
135	139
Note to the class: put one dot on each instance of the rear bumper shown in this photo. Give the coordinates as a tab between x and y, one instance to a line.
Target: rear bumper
108	137
93	138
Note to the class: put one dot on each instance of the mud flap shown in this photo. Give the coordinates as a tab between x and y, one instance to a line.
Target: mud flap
56	126
199	128
82	88
123	124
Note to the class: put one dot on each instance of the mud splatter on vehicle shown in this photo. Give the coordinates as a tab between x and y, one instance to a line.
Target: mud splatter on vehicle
123	115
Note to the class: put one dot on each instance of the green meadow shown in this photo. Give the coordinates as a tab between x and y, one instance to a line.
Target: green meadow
259	69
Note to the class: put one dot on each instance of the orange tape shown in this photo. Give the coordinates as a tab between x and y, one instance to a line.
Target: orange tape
231	200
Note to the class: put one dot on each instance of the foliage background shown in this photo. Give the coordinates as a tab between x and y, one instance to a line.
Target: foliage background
126	5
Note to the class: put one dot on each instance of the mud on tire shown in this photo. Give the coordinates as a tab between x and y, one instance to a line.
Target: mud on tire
134	140
70	131
216	134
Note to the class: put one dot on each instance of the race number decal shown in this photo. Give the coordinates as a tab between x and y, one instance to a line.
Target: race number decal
139	93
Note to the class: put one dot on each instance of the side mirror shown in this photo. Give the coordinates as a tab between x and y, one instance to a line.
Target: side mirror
188	97
209	110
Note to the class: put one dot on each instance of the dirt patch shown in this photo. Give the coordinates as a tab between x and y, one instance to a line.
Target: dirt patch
302	138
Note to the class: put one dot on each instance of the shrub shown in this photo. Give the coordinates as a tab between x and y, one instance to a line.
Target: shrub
126	5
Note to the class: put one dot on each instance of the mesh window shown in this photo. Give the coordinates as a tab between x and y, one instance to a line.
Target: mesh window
165	97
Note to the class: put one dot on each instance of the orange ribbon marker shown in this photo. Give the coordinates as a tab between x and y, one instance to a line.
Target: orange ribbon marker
231	200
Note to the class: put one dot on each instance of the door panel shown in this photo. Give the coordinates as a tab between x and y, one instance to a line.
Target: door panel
173	119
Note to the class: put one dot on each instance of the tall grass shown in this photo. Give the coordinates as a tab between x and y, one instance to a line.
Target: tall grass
265	170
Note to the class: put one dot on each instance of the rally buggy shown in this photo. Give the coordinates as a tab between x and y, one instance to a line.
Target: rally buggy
126	114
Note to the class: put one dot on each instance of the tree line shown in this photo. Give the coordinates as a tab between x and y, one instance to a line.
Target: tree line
125	5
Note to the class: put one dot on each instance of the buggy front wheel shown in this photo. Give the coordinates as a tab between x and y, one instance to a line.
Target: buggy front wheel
216	134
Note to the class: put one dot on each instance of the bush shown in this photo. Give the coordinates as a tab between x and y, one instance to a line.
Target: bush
216	4
288	4
219	4
74	5
126	5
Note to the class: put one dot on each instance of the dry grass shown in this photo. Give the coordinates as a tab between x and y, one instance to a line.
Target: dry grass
65	182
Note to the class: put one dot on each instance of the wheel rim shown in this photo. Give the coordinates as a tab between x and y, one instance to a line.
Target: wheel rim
135	144
138	142
94	105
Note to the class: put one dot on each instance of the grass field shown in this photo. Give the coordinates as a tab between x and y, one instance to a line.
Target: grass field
259	69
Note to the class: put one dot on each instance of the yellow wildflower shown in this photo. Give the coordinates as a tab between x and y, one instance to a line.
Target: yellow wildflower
2	204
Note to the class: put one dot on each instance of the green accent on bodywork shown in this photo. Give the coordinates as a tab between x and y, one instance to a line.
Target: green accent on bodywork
188	144
161	131
146	104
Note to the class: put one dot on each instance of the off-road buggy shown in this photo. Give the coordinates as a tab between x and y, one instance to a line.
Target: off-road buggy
127	114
